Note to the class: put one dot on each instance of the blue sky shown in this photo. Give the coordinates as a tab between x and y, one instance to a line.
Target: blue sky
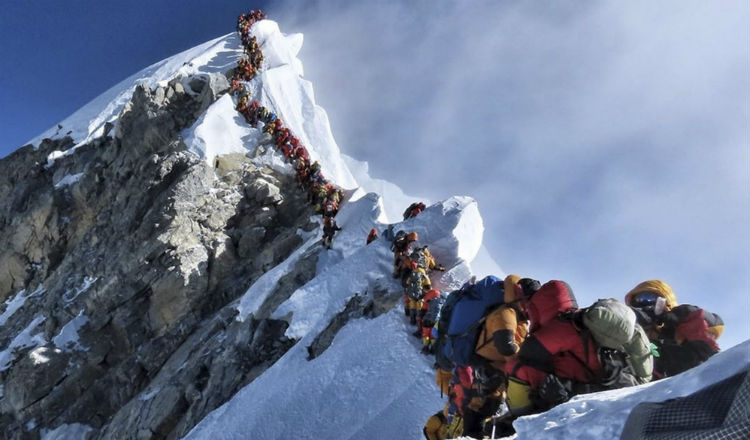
606	143
58	55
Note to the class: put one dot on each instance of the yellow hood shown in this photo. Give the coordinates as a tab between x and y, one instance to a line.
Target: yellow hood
657	286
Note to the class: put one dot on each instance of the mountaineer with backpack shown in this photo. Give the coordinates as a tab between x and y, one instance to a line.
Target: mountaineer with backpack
416	286
372	236
431	303
329	229
467	340
414	210
424	259
684	335
573	351
552	349
401	248
448	423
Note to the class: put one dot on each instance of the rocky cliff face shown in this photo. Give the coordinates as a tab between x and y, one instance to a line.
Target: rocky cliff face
117	267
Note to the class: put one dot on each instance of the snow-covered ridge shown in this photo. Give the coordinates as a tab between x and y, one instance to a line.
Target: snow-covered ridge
87	123
280	86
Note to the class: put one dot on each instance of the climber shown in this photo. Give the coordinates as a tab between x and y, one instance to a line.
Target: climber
256	58
330	208
413	210
301	168
251	113
416	286
424	259
299	151
684	335
282	136
236	85
444	424
554	362
251	47
505	328
286	150
245	69
329	229
314	172
372	236
402	247
430	313
273	124
500	337
242	103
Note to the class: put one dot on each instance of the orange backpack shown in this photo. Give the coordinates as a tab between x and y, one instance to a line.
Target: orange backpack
502	318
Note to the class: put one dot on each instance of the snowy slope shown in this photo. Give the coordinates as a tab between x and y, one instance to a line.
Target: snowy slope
372	382
603	415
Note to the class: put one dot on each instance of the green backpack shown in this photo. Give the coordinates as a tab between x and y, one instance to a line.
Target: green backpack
623	347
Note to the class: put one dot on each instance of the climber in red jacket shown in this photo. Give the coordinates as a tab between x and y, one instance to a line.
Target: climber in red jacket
553	352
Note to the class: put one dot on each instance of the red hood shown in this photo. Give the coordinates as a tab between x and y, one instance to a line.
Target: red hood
553	298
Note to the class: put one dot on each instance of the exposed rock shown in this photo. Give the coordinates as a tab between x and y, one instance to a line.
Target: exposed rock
134	266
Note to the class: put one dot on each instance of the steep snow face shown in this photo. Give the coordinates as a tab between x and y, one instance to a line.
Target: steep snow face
371	382
281	88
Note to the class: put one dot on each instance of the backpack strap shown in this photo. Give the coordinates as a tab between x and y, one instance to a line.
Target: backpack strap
586	337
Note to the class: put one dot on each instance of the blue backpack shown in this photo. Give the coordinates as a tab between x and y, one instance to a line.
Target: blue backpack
471	306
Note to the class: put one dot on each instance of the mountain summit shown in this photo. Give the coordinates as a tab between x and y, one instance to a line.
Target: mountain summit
158	256
162	274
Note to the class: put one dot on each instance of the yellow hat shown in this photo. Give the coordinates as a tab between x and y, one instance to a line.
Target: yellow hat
657	286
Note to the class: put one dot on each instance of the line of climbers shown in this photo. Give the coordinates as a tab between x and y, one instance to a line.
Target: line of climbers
506	348
321	193
513	347
413	264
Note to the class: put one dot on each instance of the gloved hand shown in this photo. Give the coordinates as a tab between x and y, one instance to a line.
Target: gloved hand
552	391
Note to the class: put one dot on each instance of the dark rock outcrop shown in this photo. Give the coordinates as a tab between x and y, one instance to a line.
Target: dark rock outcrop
138	249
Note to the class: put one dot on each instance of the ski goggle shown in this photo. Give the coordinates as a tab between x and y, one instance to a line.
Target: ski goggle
644	299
